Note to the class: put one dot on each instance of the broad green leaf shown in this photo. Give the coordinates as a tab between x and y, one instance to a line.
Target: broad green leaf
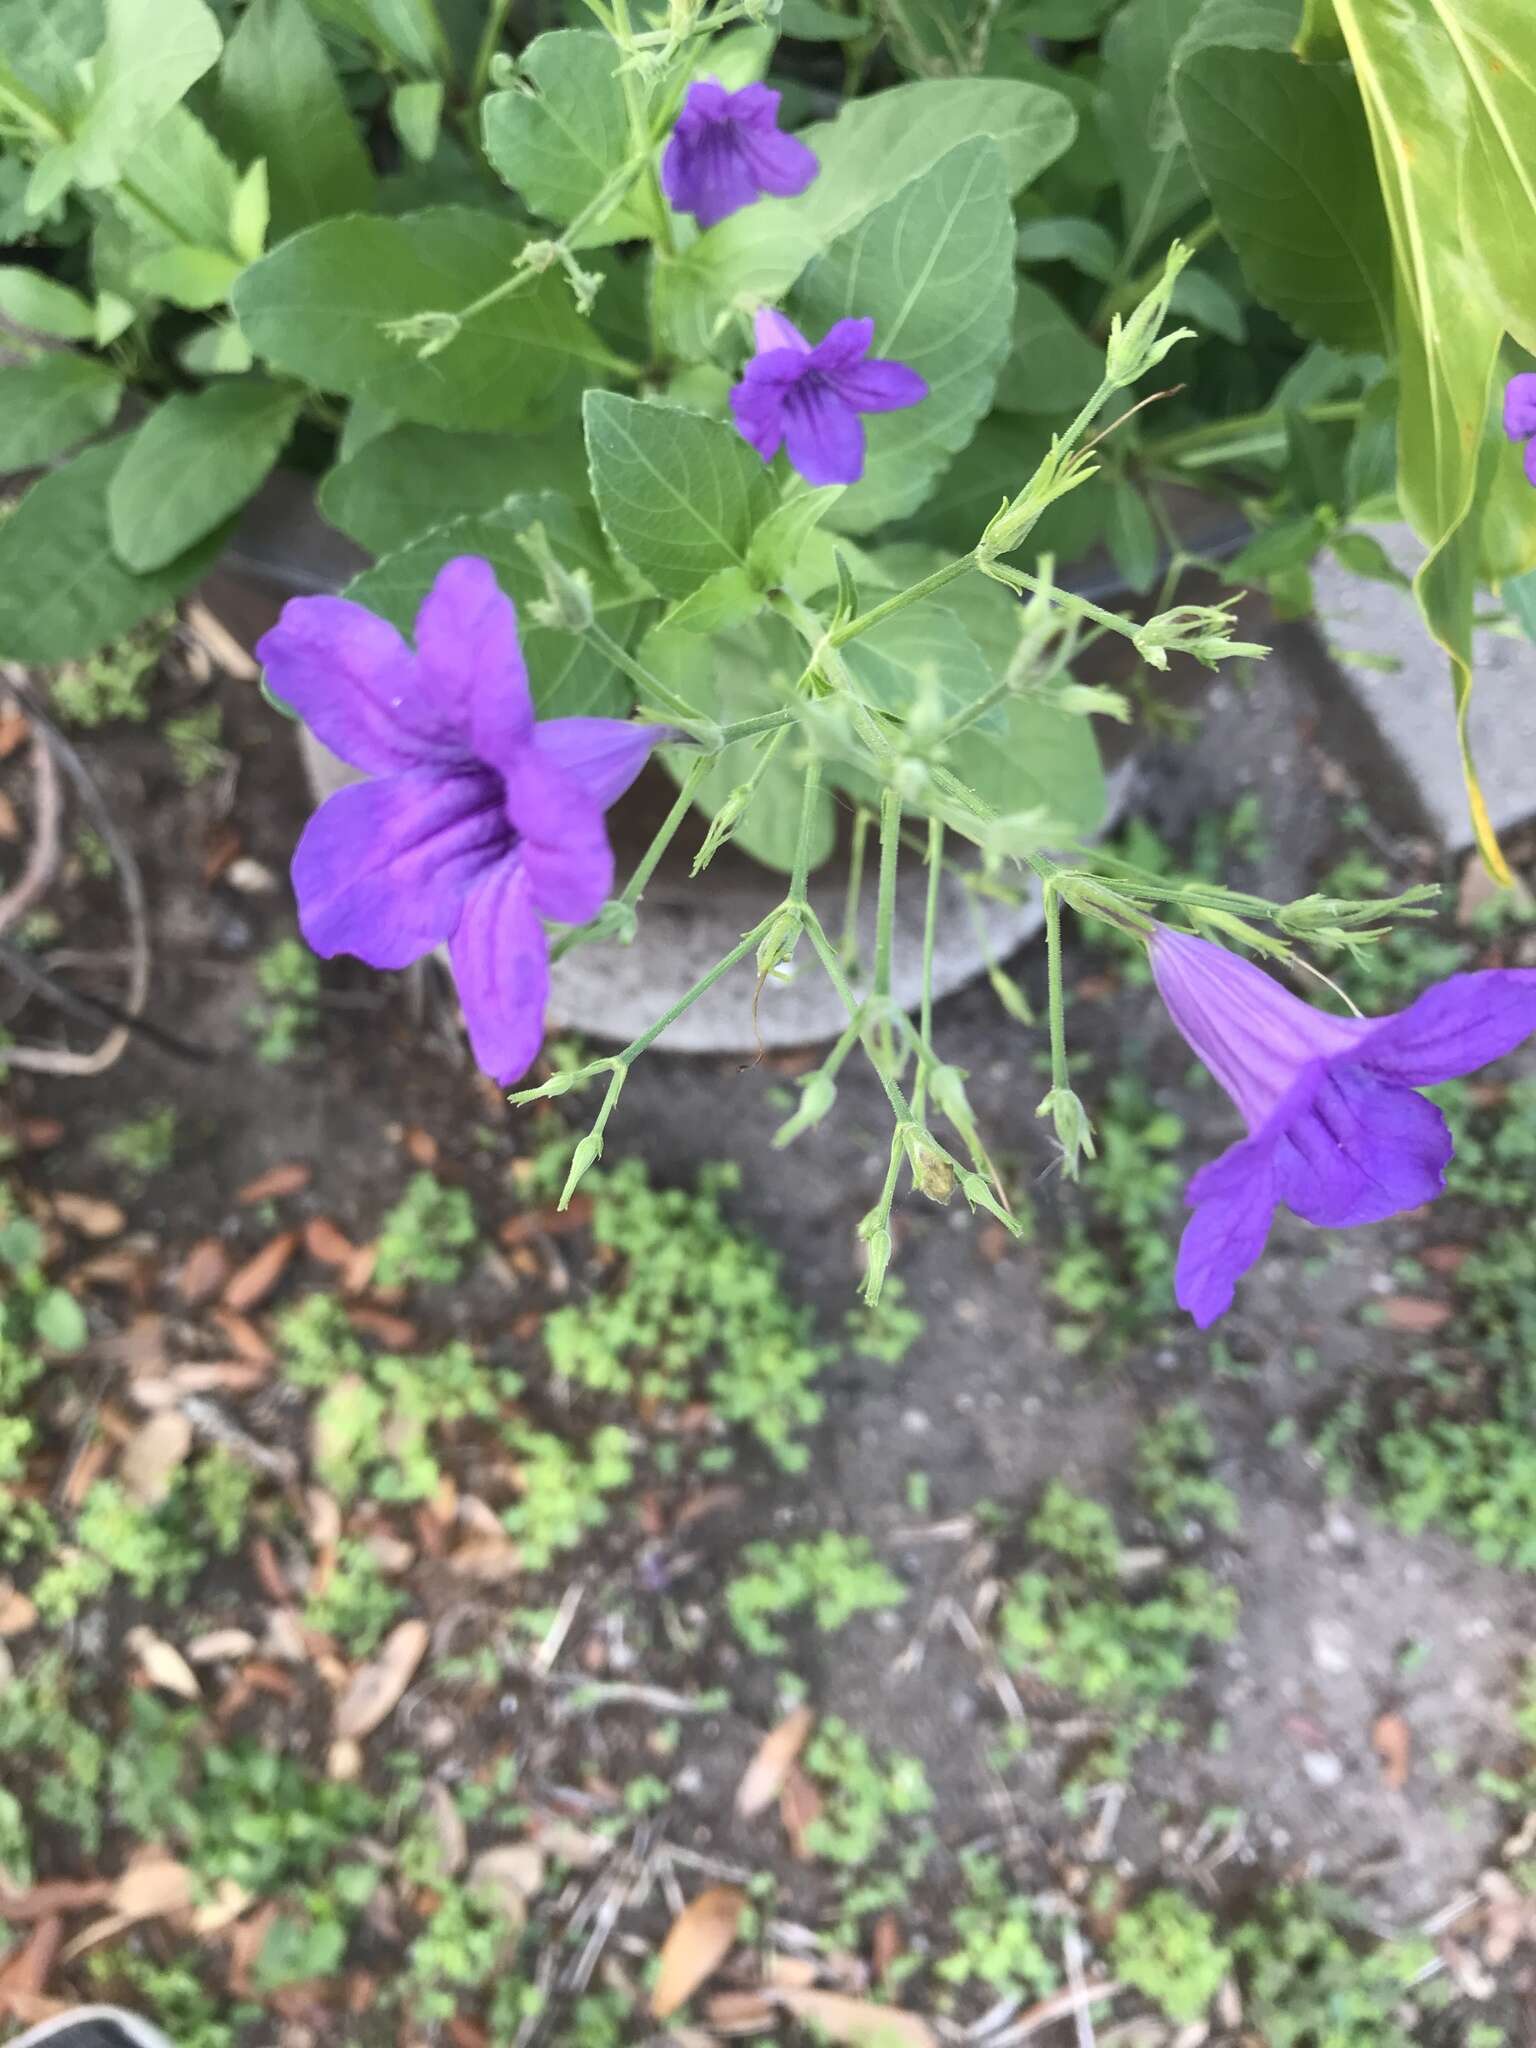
38	302
59	1320
114	316
934	38
278	98
557	141
1157	180
63	591
721	601
742	673
1418	103
416	115
1041	761
406	480
933	269
152	52
193	463
679	495
318	305
1131	536
568	676
1318	40
43	44
808	21
874	148
1495	41
1064	239
52	402
250	213
1053	366
220	351
195	278
1199	297
1285	157
407	30
178	186
923	657
779	544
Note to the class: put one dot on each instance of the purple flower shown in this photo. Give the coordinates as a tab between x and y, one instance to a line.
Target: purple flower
726	151
1336	1132
478	824
810	398
1520	416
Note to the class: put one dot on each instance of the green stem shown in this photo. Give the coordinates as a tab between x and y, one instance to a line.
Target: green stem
848	949
930	927
749	728
810	791
885	915
640	138
1120	296
1221	440
648	684
490	43
1055	991
841	635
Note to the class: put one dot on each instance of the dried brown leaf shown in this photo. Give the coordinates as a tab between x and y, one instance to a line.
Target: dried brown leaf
740	2012
1415	1313
448	1826
763	1779
858	2022
204	1272
799	1804
697	1943
90	1215
376	1687
291	1178
489	1560
324	1242
17	1614
54	1895
1394	1745
212	634
885	1945
398	1332
256	1279
245	1340
153	1455
153	1886
514	1874
26	1973
162	1664
221	1646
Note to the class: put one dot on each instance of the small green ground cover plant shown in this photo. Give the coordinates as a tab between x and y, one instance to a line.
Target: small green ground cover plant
830	1578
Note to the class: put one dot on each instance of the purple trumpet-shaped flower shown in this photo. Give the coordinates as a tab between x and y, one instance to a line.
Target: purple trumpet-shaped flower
479	822
1520	416
1336	1131
727	151
809	399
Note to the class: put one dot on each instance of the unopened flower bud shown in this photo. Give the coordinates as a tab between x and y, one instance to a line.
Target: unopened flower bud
427	333
1138	344
877	1255
587	1154
777	948
818	1092
1074	1130
722	825
567	602
931	1171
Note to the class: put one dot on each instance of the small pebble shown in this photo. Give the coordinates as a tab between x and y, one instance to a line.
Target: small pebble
1322	1767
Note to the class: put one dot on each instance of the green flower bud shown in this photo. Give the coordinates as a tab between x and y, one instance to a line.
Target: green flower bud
818	1092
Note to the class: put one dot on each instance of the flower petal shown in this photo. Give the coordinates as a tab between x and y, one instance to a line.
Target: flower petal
781	164
1362	1150
352	679
602	756
1454	1028
772	330
881	385
1233	1200
1520	406
470	661
845	343
563	841
825	438
382	868
500	962
757	406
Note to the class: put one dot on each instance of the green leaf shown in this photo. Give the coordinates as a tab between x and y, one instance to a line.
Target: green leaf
869	153
278	98
1493	41
557	141
808	21
1157	180
742	673
178	187
932	37
1449	324
250	213
933	269
1285	156
44	43
1200	298
63	591
52	402
921	656
193	463
1064	239
1132	536
36	301
318	306
679	495
60	1321
114	316
1053	366
406	480
219	351
406	30
1318	40
568	676
720	602
153	51
195	278
416	115
1042	760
